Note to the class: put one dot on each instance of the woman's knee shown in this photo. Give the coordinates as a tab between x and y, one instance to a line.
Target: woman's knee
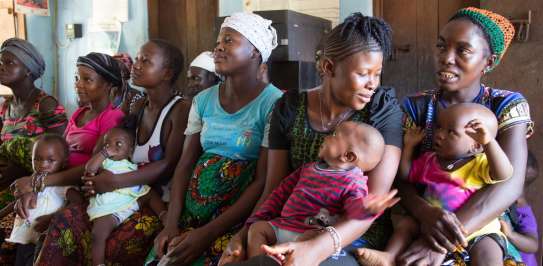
486	252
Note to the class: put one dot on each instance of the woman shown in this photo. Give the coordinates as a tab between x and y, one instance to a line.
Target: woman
27	114
470	45
222	170
96	75
201	75
161	121
351	63
123	95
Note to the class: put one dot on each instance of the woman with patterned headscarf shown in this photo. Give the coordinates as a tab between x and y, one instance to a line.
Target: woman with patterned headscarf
28	113
469	46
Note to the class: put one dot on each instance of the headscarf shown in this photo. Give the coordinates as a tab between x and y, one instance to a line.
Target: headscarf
256	29
104	65
498	29
27	54
204	61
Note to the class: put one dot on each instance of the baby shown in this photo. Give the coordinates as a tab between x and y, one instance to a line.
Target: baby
49	155
108	210
315	195
466	158
519	223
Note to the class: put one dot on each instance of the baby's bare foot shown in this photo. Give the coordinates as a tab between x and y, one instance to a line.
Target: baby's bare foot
372	257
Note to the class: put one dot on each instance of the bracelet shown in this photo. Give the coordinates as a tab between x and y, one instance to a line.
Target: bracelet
38	182
42	183
337	240
104	153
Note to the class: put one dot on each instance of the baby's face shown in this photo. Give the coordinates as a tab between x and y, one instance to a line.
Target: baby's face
118	144
334	146
48	157
450	138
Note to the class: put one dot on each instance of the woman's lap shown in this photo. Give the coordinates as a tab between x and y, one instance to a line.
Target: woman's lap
68	241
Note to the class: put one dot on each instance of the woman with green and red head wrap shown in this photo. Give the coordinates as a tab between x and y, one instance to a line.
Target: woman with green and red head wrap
470	45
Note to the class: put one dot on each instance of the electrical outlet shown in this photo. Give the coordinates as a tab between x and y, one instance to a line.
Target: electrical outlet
73	31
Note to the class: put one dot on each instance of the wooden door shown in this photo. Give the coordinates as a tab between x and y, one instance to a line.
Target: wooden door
415	25
188	24
12	26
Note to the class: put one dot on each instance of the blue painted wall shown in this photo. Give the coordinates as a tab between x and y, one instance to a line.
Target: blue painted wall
40	32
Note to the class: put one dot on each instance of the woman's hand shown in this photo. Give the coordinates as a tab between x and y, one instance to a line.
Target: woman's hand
163	238
24	203
21	186
105	181
295	253
234	252
442	230
187	247
419	253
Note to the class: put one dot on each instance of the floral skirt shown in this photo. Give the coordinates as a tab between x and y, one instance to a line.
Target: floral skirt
68	241
216	184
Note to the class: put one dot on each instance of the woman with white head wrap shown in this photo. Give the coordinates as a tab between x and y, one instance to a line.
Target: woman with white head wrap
222	170
201	75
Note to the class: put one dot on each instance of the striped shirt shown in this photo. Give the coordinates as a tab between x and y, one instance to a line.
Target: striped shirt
312	193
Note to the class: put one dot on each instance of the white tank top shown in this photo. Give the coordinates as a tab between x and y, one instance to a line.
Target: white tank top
152	150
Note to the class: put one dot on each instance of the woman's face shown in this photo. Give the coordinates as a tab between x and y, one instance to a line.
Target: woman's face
354	79
12	69
461	55
149	68
90	86
198	79
233	52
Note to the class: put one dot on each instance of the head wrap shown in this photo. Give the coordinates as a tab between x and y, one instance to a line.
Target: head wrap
256	29
27	54
104	65
497	28
204	61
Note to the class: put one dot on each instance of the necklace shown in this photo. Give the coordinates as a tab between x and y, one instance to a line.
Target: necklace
17	102
334	122
453	163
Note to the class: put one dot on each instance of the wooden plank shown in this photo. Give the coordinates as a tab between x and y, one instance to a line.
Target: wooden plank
401	72
427	32
152	11
447	8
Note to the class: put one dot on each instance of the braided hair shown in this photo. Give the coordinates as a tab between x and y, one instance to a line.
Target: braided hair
356	33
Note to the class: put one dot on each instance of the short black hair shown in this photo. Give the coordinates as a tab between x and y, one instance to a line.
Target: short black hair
174	57
357	33
50	137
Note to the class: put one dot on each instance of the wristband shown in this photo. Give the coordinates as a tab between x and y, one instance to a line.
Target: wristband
337	240
104	153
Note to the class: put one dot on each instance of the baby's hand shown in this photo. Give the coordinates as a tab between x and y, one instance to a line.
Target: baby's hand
478	131
413	136
377	204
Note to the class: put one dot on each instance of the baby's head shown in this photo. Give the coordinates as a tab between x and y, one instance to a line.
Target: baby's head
119	143
353	144
532	169
49	154
450	138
